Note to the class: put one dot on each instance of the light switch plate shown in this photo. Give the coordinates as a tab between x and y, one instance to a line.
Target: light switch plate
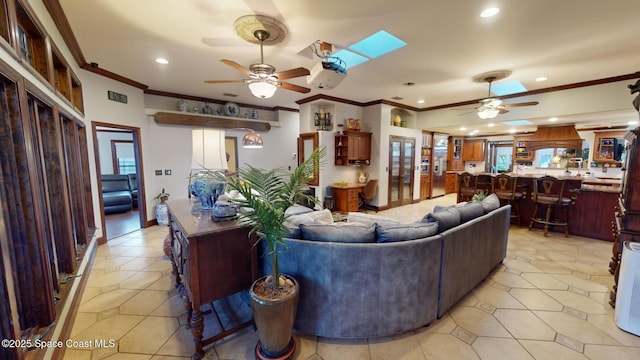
167	172
158	172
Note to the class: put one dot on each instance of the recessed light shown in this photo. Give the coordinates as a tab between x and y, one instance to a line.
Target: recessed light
463	128
633	122
162	61
421	101
552	119
489	12
512	131
491	124
541	78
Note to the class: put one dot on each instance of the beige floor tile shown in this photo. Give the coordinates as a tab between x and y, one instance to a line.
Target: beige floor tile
149	335
172	307
141	280
89	293
74	354
535	299
579	302
144	303
179	344
110	328
108	278
138	263
602	352
306	346
521	266
580	283
107	300
166	282
400	347
339	349
575	328
494	348
82	321
544	281
444	325
551	267
111	262
478	322
163	357
607	324
445	347
523	324
237	346
550	350
496	297
122	356
511	280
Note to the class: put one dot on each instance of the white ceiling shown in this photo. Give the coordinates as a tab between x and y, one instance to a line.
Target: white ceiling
567	41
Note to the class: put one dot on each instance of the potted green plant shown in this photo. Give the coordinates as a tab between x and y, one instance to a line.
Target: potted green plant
162	213
479	195
265	195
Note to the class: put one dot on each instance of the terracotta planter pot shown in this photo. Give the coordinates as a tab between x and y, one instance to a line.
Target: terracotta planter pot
274	320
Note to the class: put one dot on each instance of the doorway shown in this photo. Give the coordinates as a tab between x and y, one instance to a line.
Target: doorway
401	174
500	157
117	151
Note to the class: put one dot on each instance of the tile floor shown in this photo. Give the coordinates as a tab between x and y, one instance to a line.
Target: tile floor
547	301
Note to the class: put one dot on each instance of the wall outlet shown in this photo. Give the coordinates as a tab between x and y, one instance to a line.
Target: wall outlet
158	172
167	172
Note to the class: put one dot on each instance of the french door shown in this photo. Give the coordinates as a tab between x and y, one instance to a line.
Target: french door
401	174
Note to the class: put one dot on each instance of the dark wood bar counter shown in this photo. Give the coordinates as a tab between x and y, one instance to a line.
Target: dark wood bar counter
592	214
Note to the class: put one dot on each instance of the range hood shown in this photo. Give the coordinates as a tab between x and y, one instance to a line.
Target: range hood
555	137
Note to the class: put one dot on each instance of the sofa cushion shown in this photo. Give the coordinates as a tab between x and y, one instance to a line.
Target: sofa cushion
339	232
297	209
470	210
369	219
446	217
115	182
402	232
300	216
490	203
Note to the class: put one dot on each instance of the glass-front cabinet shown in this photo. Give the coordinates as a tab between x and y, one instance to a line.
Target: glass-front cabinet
609	147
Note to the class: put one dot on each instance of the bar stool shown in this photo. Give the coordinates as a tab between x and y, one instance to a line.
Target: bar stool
505	188
467	186
549	192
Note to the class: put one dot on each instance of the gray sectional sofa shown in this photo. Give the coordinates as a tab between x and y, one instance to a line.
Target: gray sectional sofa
372	289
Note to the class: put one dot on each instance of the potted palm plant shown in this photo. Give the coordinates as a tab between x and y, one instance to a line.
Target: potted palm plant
266	194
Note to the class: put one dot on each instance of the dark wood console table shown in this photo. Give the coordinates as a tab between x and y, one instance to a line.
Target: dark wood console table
211	261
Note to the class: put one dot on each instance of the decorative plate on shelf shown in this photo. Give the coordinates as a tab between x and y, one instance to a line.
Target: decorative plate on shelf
231	109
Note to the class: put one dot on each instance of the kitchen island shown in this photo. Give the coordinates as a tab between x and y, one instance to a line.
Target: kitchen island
593	213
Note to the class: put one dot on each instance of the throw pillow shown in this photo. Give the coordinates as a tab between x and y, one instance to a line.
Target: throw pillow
490	203
402	232
339	232
297	209
370	219
447	218
470	211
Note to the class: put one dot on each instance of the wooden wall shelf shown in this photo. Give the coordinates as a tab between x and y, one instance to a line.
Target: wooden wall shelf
213	121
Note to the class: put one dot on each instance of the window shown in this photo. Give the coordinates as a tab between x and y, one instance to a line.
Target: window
126	166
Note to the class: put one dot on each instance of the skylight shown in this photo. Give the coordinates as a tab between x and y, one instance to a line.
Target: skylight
369	48
517	122
508	88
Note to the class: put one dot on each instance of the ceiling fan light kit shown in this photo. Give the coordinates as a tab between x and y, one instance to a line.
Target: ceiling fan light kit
263	79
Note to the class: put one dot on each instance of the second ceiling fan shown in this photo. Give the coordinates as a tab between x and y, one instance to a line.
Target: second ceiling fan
263	79
490	107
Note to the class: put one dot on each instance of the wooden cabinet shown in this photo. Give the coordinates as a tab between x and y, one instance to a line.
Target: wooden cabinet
521	153
455	163
451	183
425	186
609	146
626	226
346	197
354	147
211	261
473	150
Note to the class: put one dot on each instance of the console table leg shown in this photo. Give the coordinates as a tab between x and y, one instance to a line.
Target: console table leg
186	303
197	327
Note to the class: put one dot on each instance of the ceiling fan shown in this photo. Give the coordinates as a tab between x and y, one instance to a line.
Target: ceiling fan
490	107
263	79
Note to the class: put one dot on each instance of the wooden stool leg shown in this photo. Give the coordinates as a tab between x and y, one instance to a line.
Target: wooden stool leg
535	213
547	219
566	221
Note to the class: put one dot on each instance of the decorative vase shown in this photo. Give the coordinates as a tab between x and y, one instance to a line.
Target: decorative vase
254	114
206	191
207	109
182	106
363	177
274	320
403	123
162	214
397	120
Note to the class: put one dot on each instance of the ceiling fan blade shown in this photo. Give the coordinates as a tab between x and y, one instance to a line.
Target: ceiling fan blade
289	86
237	66
292	73
530	103
223	81
503	111
468	112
